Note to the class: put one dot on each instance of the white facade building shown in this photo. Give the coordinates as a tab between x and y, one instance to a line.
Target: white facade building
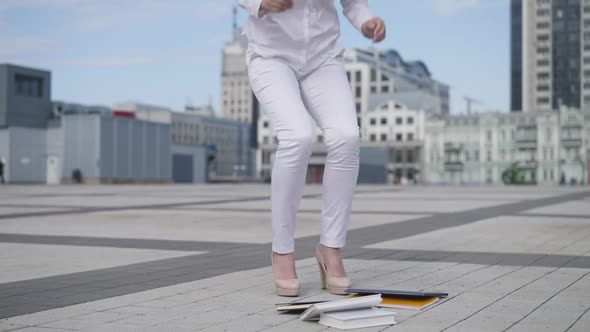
236	94
544	147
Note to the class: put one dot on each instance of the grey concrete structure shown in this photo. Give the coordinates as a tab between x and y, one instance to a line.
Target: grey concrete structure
192	258
24	151
189	164
25	97
373	165
228	140
108	148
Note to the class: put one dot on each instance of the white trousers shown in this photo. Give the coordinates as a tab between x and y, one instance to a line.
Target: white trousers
287	95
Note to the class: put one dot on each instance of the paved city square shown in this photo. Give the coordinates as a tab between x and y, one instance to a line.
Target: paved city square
188	258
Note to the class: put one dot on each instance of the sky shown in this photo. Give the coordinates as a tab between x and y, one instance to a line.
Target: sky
168	52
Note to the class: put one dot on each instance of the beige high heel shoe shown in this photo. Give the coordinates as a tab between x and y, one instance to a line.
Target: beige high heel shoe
335	285
285	287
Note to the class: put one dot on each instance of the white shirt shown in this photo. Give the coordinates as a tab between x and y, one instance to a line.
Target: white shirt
304	36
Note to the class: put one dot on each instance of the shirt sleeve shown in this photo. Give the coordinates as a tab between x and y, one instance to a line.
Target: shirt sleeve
252	7
357	12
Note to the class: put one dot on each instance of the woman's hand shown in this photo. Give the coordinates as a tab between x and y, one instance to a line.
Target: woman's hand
275	6
374	29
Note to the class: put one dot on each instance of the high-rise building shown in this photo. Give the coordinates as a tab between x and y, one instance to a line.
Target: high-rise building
236	95
550	54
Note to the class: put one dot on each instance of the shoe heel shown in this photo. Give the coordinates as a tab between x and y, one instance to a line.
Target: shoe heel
334	285
322	273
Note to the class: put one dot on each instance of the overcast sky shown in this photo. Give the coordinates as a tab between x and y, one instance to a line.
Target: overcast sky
168	52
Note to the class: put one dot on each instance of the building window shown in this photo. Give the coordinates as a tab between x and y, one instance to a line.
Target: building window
373	89
385	89
373	121
398	137
265	124
410	120
358	76
384	78
358	107
28	86
383	121
410	156
476	155
398	121
489	175
410	137
372	137
373	74
383	137
320	138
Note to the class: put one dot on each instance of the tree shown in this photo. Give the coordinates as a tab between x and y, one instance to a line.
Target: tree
511	175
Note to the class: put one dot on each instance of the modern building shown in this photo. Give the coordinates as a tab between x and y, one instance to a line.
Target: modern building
109	149
25	109
550	54
25	97
543	147
379	76
228	141
97	146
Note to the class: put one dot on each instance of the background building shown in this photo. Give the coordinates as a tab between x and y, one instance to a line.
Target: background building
378	76
543	147
227	140
25	109
550	54
236	94
392	98
400	133
111	149
25	97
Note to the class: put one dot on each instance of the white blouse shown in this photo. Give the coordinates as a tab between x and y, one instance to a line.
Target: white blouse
304	36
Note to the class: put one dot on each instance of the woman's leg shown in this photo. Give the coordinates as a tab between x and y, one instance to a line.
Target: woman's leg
277	89
327	95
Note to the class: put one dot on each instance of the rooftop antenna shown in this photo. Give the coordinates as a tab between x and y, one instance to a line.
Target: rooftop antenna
235	18
471	101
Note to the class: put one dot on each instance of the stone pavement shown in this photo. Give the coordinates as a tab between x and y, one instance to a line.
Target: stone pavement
196	258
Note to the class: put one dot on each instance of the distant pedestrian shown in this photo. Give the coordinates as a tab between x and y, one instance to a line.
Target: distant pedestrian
1	171
296	67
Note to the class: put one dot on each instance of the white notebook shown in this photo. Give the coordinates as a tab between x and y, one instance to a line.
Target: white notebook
363	302
354	319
